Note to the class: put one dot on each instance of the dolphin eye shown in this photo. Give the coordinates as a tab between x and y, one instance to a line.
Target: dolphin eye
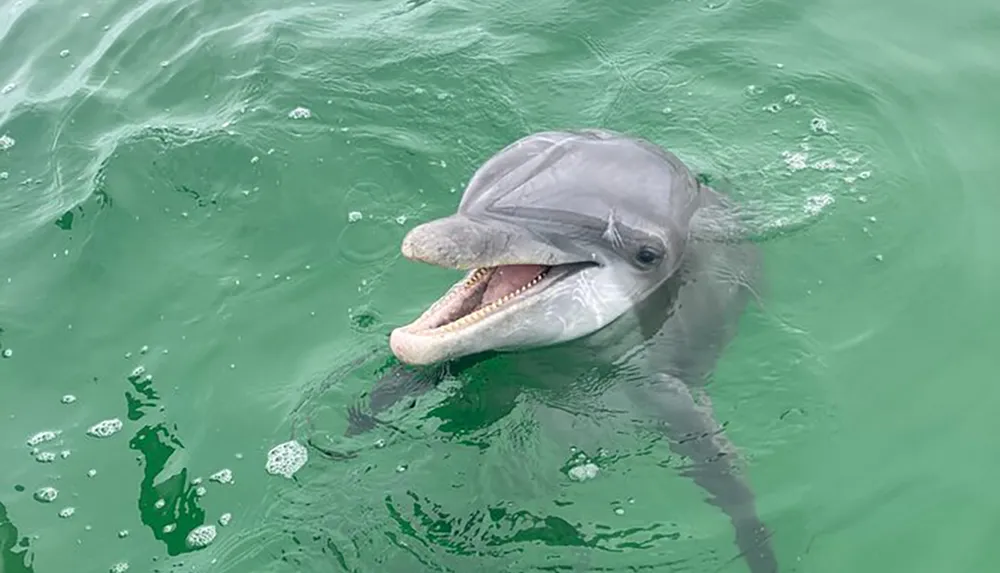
647	255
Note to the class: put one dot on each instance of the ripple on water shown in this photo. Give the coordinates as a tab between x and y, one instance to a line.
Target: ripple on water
375	218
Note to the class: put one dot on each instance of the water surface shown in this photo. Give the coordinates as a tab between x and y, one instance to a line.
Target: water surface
215	192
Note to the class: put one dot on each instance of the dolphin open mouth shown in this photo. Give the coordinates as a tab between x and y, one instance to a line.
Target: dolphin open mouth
485	292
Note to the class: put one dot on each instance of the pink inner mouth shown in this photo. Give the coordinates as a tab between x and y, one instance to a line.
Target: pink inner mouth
507	279
484	292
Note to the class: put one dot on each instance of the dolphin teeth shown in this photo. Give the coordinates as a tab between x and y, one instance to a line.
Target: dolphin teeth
476	277
488	309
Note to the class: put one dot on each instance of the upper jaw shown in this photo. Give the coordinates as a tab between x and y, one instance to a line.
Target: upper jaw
458	242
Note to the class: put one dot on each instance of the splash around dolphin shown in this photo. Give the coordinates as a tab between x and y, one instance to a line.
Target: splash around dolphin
608	244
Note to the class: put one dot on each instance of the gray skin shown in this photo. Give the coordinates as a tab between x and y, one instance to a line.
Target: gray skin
645	277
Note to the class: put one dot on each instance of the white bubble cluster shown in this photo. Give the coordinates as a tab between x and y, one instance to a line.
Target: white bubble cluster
105	428
286	459
201	536
67	512
222	476
45	457
120	567
6	142
42	437
46	494
820	126
796	161
816	203
225	518
583	472
68	399
300	113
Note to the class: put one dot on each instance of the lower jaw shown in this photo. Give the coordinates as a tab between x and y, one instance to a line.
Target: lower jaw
418	343
445	316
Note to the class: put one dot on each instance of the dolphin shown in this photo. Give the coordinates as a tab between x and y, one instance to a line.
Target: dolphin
607	244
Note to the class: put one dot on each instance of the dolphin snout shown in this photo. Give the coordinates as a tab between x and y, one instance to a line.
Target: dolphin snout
428	247
449	242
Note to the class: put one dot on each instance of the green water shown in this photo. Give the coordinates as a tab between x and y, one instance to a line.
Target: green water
160	208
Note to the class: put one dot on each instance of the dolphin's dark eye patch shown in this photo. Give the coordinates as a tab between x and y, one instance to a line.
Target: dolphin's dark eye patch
648	255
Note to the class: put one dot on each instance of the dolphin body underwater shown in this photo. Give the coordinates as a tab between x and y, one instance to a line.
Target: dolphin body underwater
609	245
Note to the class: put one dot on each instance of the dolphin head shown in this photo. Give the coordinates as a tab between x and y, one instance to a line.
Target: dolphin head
561	234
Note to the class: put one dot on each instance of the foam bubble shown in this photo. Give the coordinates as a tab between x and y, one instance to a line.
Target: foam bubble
45	457
286	459
6	142
796	161
583	472
46	494
105	428
68	399
120	567
816	203
225	518
41	437
820	126
300	113
222	476
67	512
201	536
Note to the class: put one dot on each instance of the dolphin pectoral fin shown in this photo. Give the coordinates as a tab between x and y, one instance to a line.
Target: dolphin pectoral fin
401	382
693	433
